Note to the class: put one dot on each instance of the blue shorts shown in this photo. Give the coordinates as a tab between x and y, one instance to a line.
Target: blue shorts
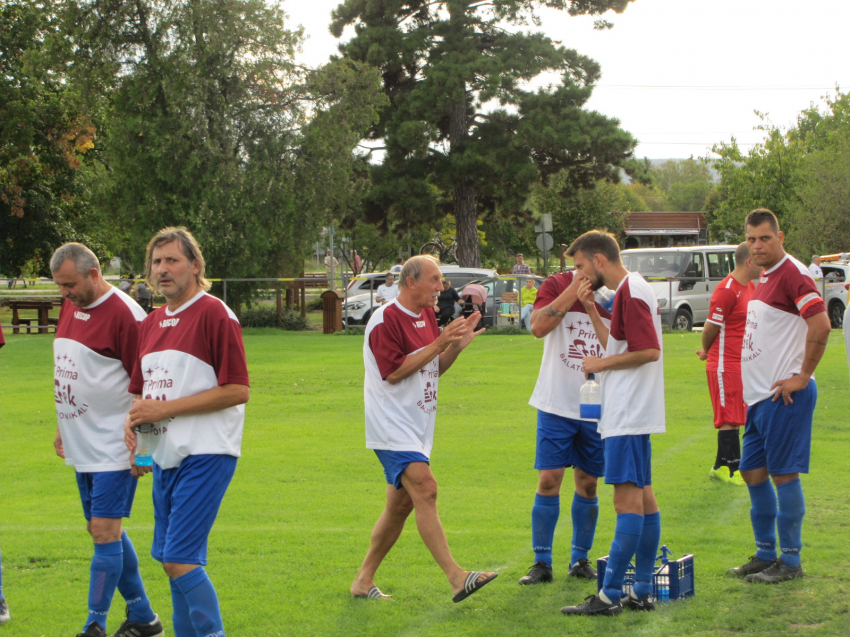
107	494
185	504
779	436
564	442
395	462
628	459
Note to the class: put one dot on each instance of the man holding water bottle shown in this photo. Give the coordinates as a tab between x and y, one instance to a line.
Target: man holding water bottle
564	438
632	409
192	385
94	353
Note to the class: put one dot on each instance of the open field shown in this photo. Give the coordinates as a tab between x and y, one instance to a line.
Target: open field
296	521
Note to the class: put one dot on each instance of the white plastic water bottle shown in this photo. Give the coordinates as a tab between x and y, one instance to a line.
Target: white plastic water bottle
590	400
144	442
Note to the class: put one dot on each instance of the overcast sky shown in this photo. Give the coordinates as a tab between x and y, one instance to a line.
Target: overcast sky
681	75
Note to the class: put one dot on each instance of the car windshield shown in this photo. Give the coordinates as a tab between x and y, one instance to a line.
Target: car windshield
655	264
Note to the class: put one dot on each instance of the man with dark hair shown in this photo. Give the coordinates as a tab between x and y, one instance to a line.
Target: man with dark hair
786	335
722	336
520	267
563	438
405	354
446	303
191	385
632	409
94	354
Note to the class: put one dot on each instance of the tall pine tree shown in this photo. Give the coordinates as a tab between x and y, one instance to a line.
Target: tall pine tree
462	133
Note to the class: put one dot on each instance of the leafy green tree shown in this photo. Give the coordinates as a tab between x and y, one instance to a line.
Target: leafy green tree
460	134
44	139
209	123
795	173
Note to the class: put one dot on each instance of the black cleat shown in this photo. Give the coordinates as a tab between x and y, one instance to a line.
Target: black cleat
593	605
133	629
93	630
777	572
541	572
755	565
583	569
647	602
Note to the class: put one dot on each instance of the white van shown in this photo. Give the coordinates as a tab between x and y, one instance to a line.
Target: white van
682	278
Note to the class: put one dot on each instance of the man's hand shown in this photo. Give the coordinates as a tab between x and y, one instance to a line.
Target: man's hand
703	355
788	386
592	365
136	471
148	411
469	333
456	331
57	444
129	433
585	293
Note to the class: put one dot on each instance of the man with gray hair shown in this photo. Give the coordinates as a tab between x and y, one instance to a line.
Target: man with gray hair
405	354
94	354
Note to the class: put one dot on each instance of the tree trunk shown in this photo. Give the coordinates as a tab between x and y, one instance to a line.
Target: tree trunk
466	217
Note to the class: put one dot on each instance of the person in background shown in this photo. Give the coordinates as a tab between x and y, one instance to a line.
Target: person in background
527	296
520	267
388	290
399	263
126	284
144	296
815	268
446	303
722	337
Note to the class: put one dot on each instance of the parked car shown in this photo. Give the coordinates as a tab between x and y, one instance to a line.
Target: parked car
360	300
834	286
682	278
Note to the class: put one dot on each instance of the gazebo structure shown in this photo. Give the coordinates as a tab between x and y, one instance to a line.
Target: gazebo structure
665	229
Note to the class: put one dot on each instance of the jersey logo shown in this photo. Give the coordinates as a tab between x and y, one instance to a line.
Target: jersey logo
172	322
763	279
82	316
418	323
716	317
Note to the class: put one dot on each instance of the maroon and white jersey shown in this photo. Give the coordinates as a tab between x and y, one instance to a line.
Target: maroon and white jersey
561	371
633	399
400	417
775	339
94	354
184	353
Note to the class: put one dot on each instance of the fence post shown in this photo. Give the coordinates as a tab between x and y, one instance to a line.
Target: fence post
279	306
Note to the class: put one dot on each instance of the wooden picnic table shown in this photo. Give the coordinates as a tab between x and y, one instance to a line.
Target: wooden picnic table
43	306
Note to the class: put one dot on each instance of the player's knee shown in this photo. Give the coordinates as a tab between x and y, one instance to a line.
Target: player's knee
104	530
402	509
549	482
426	490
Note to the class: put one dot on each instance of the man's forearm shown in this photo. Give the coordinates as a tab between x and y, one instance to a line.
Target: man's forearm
629	360
547	318
817	338
709	333
413	363
599	327
215	399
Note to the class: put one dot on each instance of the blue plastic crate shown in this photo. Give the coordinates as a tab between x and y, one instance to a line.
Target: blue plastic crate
673	579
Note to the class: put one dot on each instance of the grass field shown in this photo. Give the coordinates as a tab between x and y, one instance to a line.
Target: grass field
295	523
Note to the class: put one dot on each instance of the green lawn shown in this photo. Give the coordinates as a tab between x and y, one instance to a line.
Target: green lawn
296	521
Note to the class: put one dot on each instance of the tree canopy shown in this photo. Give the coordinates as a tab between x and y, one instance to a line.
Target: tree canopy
461	133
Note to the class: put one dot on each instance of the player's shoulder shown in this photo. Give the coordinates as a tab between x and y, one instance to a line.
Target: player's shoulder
124	300
637	287
559	281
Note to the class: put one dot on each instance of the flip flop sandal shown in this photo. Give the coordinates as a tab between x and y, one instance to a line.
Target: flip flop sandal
472	584
374	593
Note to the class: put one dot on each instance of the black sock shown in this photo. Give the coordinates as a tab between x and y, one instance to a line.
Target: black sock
718	461
730	448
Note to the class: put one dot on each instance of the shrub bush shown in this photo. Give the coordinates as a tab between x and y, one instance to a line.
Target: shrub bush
266	316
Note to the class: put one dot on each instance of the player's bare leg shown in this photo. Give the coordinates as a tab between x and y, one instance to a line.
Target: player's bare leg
386	532
422	487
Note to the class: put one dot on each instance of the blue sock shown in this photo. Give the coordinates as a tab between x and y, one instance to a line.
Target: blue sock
585	512
202	600
789	521
544	519
180	621
130	585
626	537
763	516
647	551
106	566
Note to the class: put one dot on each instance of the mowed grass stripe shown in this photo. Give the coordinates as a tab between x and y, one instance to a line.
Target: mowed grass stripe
296	521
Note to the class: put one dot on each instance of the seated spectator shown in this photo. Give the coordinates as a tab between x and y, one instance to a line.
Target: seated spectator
527	296
387	291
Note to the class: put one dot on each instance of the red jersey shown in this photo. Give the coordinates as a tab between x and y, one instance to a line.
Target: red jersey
728	311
